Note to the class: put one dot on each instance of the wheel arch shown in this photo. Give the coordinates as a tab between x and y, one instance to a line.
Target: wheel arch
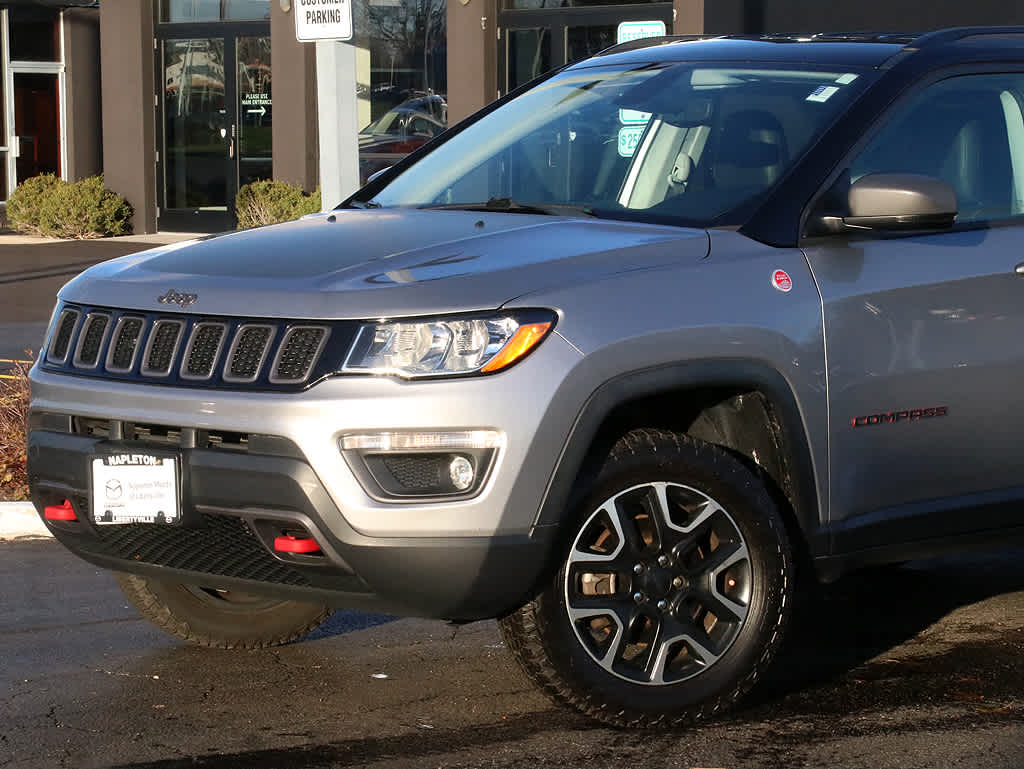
746	407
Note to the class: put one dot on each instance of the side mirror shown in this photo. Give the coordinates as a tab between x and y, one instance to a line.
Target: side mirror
888	202
900	202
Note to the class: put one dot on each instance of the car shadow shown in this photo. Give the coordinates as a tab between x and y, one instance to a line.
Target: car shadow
840	635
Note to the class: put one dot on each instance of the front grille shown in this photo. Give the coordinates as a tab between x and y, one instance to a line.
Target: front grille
61	343
299	350
248	352
190	351
126	342
219	545
163	344
203	350
91	340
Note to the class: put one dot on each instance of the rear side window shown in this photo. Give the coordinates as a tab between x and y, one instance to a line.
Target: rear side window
967	131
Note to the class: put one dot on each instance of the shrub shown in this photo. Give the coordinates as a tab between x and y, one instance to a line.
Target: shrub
14	396
24	204
45	205
270	202
85	209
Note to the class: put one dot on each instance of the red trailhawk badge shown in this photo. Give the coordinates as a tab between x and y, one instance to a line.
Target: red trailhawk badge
782	281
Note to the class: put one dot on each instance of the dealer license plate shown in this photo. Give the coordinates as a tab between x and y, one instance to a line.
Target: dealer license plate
135	488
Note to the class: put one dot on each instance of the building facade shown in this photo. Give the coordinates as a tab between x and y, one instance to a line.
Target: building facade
174	100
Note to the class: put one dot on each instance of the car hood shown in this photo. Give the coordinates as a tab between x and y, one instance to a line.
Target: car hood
380	263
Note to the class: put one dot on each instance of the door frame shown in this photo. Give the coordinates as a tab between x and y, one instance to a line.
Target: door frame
12	68
191	219
558	20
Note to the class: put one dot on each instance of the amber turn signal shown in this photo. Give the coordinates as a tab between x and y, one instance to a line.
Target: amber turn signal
524	340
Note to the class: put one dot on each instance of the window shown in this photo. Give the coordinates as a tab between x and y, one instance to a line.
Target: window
677	141
967	131
214	10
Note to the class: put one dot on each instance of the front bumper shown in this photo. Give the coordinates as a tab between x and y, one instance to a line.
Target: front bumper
224	539
465	559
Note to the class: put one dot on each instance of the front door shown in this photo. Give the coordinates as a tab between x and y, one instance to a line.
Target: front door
215	119
923	333
36	142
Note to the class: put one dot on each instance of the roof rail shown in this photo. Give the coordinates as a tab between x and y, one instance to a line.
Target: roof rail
940	36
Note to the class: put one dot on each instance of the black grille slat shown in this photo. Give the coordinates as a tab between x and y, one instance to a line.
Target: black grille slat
61	343
218	545
162	347
203	350
248	352
298	353
91	341
125	344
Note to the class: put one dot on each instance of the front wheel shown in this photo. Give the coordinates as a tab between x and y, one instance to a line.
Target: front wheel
223	619
674	594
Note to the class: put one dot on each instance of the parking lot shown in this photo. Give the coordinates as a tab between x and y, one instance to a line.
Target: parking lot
910	667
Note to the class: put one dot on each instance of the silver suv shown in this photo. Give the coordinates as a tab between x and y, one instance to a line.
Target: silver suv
624	360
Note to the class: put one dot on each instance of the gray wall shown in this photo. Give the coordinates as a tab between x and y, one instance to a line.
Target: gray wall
82	98
472	56
129	131
293	67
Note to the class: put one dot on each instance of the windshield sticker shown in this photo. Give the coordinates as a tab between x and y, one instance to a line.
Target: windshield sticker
846	79
822	93
629	138
633	117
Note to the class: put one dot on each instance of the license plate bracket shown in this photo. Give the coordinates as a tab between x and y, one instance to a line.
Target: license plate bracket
135	487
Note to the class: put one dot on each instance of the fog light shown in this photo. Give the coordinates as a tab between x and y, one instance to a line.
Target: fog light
461	473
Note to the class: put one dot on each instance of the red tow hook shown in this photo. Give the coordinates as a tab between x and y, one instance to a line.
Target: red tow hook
63	512
291	544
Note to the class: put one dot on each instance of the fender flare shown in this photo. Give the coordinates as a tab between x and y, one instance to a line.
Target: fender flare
688	376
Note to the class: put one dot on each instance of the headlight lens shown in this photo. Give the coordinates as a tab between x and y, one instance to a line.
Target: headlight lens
446	346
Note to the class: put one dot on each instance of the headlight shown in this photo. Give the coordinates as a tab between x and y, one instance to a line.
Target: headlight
447	346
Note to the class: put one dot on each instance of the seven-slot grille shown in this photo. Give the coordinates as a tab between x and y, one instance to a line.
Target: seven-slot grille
195	351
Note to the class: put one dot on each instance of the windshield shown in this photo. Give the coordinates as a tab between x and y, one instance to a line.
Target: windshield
679	142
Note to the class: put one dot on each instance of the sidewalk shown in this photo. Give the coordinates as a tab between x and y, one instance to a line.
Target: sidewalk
19	520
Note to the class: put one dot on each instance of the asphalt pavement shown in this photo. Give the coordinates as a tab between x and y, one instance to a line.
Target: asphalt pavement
915	667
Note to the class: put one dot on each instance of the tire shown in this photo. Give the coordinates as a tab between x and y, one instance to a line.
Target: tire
220	619
675	592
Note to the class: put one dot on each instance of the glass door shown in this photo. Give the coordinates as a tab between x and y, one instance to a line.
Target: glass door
36	143
215	121
198	126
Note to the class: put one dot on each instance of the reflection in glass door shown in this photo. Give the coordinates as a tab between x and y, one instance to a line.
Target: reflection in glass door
197	129
255	109
537	40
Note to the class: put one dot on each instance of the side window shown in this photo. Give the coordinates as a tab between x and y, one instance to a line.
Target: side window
967	131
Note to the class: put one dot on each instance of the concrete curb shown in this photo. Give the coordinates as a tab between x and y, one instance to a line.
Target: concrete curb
19	520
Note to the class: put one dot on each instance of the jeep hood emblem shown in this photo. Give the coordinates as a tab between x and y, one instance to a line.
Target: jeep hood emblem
174	297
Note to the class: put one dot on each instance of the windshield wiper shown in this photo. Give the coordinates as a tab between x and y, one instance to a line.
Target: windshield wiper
510	206
364	204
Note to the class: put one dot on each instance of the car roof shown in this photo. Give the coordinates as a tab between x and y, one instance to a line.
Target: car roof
827	49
